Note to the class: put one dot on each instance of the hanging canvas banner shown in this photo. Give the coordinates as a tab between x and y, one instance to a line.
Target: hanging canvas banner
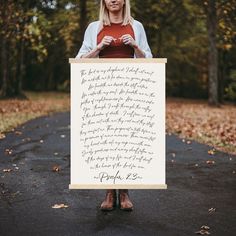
118	123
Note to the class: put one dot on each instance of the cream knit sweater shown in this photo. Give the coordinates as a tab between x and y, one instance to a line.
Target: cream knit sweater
90	38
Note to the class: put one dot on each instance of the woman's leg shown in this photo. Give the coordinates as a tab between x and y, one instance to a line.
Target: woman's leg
124	200
110	200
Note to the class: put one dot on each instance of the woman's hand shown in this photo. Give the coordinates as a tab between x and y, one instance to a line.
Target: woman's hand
106	41
128	40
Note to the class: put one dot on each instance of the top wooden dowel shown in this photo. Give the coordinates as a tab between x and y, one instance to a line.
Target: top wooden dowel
117	60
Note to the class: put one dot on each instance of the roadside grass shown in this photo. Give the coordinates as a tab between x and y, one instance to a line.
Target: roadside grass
14	112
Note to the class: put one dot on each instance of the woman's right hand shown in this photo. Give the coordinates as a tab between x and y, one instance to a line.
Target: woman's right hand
106	41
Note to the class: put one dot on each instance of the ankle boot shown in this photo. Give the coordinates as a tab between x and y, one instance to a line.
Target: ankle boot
124	200
110	200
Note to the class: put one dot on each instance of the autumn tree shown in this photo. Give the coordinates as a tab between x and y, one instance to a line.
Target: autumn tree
213	53
19	33
37	38
219	16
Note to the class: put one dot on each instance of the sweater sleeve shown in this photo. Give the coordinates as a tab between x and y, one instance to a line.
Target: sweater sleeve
87	45
144	43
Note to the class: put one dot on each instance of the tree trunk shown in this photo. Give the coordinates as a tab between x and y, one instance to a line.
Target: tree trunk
213	54
222	72
4	74
159	50
83	18
3	92
21	71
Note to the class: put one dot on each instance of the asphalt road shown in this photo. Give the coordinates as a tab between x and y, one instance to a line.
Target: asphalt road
28	192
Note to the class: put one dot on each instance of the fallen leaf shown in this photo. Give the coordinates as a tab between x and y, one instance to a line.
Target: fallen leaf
5	191
210	162
26	139
2	136
56	168
203	232
211	210
18	132
205	227
8	151
211	152
2	110
62	205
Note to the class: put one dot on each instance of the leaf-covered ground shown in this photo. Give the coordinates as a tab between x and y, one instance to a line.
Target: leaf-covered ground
190	119
193	119
14	112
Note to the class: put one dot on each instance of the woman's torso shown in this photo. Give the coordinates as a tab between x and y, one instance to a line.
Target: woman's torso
117	49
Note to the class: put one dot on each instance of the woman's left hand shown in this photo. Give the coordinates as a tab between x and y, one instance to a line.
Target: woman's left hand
128	40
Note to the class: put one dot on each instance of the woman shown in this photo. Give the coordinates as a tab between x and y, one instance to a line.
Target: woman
115	35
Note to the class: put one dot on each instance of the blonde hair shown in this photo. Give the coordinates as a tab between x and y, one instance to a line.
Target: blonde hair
104	14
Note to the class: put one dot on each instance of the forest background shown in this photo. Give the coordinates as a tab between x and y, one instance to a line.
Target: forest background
38	37
198	38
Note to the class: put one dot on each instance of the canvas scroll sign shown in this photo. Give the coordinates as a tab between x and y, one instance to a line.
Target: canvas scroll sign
118	123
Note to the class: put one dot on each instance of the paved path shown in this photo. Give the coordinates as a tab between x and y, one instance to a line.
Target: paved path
29	191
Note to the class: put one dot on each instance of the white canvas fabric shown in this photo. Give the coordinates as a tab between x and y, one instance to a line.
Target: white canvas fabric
90	38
